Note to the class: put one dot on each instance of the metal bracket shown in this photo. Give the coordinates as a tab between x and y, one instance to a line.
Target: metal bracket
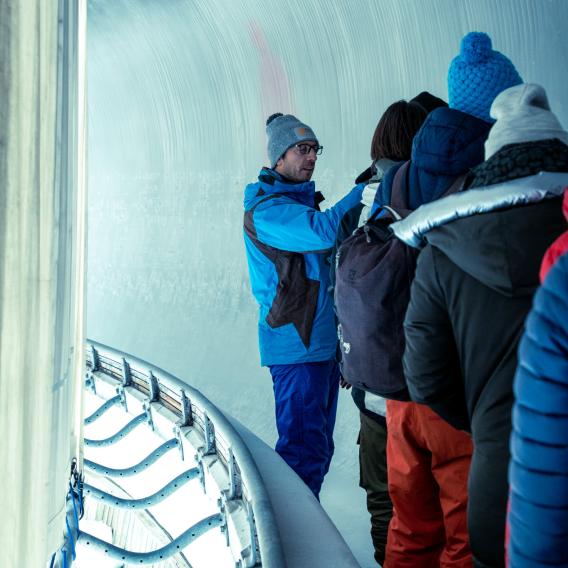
222	504
147	406
179	438
126	374
120	391
186	411
209	435
235	484
154	387
95	360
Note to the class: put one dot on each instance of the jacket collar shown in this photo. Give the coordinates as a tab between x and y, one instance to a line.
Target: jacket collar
523	191
272	182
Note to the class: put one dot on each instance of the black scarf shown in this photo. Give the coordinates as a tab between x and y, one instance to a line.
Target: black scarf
521	160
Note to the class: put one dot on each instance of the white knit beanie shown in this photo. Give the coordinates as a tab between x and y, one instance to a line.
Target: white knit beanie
523	114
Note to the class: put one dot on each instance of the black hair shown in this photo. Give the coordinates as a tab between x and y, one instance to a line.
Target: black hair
396	129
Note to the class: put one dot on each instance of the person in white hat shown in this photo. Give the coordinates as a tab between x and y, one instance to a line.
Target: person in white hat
474	284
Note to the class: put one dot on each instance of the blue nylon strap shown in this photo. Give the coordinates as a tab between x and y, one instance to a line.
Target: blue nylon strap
70	535
74	505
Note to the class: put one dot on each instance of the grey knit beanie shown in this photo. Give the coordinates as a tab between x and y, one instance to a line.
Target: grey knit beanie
522	114
283	131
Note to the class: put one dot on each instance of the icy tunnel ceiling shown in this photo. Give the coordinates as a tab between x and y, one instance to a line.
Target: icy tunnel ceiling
185	86
178	95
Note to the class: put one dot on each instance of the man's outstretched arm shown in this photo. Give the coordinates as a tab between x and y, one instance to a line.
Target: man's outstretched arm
287	225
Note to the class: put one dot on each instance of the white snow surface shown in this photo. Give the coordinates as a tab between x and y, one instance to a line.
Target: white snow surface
179	92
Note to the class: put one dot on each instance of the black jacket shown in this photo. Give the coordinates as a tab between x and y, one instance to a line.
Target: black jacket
472	291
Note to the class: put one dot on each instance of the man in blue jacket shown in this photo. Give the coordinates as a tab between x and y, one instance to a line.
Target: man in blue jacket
287	240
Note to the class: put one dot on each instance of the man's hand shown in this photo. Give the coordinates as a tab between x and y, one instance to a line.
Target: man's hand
344	384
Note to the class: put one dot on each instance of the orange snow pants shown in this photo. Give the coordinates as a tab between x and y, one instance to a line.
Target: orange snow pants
428	465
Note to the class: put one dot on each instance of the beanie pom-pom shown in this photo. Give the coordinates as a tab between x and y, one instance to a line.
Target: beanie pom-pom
476	47
272	117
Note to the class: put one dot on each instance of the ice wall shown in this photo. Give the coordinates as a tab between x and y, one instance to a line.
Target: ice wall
179	91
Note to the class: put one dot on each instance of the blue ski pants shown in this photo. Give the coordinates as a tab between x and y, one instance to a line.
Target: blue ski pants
305	397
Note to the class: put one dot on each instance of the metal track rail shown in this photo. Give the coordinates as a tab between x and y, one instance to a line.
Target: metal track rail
154	499
103	409
121	434
181	542
221	446
135	469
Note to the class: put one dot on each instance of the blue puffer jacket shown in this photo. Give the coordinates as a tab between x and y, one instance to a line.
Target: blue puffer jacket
287	241
447	145
538	474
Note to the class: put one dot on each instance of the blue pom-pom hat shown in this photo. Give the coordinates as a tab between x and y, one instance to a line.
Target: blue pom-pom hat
478	74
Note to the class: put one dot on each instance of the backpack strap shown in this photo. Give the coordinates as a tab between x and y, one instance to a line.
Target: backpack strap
456	186
381	209
399	189
398	207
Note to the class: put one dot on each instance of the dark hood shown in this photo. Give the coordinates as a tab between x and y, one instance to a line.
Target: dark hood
502	249
499	229
448	144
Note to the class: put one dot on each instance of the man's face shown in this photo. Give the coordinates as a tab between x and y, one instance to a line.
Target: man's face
296	165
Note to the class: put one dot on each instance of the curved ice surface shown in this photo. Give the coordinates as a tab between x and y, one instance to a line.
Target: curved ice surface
178	95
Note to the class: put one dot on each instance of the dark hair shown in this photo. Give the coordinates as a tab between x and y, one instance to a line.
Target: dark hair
396	129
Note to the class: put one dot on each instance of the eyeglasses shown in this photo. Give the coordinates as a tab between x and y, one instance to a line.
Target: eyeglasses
305	149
